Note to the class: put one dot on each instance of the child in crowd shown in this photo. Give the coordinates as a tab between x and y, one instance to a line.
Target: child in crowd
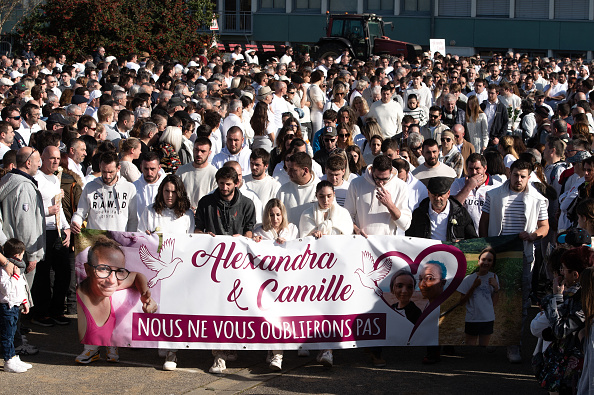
480	294
14	296
420	113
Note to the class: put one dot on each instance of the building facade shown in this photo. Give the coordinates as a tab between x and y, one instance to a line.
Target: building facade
536	27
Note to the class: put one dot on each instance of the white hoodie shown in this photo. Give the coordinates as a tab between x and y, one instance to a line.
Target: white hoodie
369	214
108	207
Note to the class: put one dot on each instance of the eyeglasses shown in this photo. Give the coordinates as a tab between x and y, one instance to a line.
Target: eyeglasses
16	118
446	140
343	135
104	271
291	93
339	94
294	126
31	154
433	116
329	140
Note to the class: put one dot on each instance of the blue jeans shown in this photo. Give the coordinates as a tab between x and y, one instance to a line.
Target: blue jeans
8	324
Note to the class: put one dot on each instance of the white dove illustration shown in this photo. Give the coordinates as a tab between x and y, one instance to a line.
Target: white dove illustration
164	265
369	277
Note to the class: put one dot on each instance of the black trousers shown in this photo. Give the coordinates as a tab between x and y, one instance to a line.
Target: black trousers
52	278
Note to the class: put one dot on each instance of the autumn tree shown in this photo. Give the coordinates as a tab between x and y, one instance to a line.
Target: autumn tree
76	27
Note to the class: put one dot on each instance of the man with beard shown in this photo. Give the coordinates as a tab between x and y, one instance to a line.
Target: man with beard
260	181
225	212
432	167
198	176
234	150
517	208
147	186
6	137
108	202
434	128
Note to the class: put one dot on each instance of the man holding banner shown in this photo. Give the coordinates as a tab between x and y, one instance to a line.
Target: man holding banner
237	218
517	208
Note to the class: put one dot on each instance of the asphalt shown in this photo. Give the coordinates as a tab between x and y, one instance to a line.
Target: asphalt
471	371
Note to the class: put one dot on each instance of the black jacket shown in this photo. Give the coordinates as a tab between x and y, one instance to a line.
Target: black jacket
420	225
499	127
220	217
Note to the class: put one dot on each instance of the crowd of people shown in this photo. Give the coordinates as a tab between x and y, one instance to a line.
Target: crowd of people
443	147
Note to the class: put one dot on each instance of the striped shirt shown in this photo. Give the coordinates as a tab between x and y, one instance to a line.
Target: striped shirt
514	218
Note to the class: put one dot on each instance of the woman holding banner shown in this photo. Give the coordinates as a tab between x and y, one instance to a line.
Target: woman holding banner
169	213
275	227
325	217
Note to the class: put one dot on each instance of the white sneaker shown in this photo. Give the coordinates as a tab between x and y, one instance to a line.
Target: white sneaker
325	358
113	354
170	361
277	362
218	366
13	366
302	352
231	355
25	364
513	354
89	354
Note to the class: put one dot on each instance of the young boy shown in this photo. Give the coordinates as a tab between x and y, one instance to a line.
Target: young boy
14	295
416	111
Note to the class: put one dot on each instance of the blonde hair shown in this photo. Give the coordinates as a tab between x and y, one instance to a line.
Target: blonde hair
272	203
507	144
173	136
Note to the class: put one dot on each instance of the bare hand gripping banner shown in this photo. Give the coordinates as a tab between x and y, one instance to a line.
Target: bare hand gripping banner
335	292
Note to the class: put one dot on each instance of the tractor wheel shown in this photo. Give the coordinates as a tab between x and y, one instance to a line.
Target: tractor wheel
330	49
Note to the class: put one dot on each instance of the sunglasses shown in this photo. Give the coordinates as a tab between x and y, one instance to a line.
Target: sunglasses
446	140
433	116
343	135
329	140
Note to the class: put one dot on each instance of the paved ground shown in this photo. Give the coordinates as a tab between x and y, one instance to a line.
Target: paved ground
472	371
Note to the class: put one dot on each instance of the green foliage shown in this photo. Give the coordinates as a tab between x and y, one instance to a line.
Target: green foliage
77	27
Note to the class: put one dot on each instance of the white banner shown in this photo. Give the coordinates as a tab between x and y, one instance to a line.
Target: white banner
233	293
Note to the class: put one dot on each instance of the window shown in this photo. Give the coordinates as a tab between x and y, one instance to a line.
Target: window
273	5
342	6
416	6
454	7
572	10
380	6
308	6
532	9
492	8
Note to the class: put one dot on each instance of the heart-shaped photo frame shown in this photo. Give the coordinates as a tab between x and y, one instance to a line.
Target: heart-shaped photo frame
435	253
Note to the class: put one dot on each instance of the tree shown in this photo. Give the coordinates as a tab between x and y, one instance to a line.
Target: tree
14	10
77	27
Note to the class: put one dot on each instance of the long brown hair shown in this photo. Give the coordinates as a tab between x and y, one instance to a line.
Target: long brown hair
182	203
473	108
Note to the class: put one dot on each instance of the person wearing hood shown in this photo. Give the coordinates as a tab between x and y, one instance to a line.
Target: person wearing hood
108	202
21	205
378	200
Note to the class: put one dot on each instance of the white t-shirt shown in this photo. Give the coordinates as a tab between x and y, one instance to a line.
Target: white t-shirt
479	307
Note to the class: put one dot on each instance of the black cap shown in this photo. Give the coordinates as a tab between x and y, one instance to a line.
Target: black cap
78	99
330	131
439	185
57	118
177	101
297	79
575	237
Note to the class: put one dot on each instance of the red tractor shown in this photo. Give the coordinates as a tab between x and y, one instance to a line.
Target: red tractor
362	35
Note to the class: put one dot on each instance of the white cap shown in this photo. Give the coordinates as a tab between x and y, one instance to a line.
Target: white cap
6	82
16	74
96	94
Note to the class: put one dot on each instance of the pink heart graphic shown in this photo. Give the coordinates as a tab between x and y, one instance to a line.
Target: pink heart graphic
414	267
